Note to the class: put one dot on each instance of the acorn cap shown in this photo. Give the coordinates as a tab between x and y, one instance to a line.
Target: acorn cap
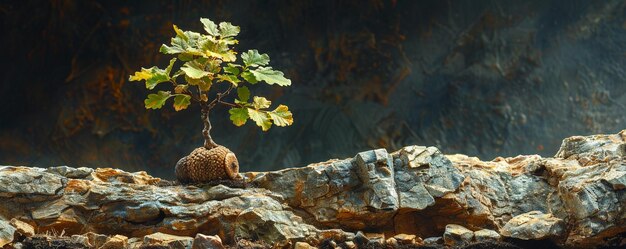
204	165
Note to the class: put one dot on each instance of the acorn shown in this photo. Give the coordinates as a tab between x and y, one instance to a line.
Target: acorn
204	165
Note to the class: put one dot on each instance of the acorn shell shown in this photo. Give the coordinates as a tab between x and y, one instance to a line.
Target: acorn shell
203	165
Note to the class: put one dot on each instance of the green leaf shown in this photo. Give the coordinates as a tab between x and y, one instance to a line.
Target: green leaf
210	27
211	47
239	116
156	101
261	102
243	93
204	83
165	49
170	66
253	58
249	77
261	119
230	78
184	56
193	70
270	76
281	116
186	44
153	76
232	69
181	101
228	30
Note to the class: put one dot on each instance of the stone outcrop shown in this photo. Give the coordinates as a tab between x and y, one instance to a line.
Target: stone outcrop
412	196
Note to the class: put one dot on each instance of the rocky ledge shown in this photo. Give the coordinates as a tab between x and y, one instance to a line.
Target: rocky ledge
414	197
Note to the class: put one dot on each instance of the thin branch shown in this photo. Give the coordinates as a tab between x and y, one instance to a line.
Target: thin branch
228	104
219	96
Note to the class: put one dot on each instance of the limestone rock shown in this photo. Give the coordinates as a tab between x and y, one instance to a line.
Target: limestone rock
483	235
433	241
23	228
414	191
7	233
456	235
29	182
202	241
115	242
70	172
405	239
272	225
168	240
96	240
350	245
534	225
303	245
82	239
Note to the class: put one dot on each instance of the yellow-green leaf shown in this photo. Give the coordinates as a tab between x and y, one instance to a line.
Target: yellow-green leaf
204	83
270	76
230	78
232	69
193	70
156	100
249	77
180	33
281	116
253	58
210	27
243	93
181	101
170	66
261	102
228	30
239	116
153	76
261	119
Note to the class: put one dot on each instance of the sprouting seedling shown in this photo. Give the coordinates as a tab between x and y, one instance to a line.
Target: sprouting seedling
208	60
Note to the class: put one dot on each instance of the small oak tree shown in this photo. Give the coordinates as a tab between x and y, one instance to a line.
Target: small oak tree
207	60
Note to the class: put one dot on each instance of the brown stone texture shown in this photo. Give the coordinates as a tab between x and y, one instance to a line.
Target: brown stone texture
574	199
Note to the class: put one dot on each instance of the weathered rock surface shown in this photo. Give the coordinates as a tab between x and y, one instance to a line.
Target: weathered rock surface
456	235
575	199
534	225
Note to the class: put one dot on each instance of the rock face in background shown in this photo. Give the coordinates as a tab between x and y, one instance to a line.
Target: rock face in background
472	77
416	195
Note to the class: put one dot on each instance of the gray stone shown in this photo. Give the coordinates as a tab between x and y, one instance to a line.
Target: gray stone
144	212
272	225
416	190
375	169
457	235
28	181
433	241
81	239
69	172
7	233
484	235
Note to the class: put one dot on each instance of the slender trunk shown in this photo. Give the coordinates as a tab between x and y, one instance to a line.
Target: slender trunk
206	132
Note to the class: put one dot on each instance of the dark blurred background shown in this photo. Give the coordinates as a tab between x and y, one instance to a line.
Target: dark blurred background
483	78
